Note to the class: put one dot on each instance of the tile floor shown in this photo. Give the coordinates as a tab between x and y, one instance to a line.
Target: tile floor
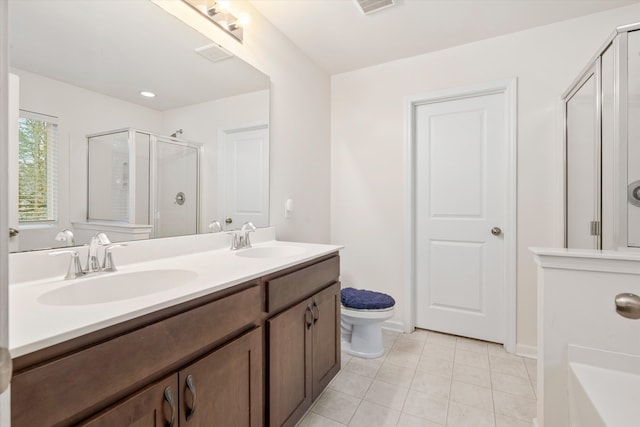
429	379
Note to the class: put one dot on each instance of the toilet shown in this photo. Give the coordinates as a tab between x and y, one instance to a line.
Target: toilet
362	314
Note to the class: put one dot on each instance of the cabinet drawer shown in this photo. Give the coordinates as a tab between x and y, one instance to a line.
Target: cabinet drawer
290	288
70	388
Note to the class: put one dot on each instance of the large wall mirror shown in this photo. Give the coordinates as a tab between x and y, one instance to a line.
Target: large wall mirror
93	154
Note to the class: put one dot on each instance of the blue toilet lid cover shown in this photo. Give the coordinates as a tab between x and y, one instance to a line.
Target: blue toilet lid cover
361	299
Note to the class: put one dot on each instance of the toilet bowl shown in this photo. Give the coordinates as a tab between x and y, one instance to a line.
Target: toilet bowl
362	313
362	331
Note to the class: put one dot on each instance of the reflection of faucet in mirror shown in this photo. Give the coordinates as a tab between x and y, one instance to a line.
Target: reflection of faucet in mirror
93	265
215	226
66	235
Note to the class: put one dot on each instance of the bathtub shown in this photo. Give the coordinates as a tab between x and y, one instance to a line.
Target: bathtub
604	388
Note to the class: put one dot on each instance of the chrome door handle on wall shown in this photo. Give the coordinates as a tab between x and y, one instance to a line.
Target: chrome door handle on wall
628	305
496	231
633	193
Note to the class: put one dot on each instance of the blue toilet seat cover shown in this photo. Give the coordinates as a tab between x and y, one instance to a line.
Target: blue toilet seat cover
361	299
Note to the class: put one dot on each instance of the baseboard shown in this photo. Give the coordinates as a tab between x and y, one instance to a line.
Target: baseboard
393	325
527	351
535	422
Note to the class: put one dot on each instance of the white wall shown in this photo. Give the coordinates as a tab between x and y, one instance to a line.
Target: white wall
299	124
367	141
80	112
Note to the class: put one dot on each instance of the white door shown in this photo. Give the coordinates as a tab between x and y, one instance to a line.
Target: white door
460	200
244	181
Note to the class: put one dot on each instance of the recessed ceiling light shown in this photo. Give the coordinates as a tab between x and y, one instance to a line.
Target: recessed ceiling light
147	94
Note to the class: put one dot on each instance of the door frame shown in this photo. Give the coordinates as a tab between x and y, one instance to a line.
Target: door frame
509	89
5	397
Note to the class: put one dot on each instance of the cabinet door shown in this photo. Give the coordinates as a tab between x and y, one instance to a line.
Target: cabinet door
155	406
326	337
289	335
224	388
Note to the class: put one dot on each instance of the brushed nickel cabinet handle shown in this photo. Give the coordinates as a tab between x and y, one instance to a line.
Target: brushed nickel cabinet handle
308	321
168	397
315	316
628	305
192	389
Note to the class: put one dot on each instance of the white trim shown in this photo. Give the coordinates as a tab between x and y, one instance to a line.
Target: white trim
528	351
509	88
5	407
393	325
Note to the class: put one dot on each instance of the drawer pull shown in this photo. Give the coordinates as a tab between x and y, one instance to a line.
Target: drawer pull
316	314
192	389
168	396
308	321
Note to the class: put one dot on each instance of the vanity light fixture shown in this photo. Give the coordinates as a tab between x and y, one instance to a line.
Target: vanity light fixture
147	94
219	12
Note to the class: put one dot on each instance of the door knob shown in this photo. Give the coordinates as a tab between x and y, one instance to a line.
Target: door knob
496	231
628	305
228	221
13	232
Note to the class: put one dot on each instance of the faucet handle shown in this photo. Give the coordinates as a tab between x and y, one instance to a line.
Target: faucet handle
75	268
214	226
107	262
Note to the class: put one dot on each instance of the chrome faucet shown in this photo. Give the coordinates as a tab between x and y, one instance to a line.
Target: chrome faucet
93	265
107	262
214	226
241	240
66	235
75	268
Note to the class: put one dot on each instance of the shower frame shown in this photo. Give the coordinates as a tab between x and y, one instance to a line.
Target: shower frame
154	139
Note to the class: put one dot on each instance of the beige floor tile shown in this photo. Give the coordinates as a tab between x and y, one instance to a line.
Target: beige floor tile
344	359
499	351
436	350
435	365
396	375
469	344
472	395
369	414
508	366
514	406
418	334
337	406
513	385
364	367
315	420
403	358
504	421
471	358
419	405
472	375
441	339
435	387
407	344
469	416
352	384
389	395
407	420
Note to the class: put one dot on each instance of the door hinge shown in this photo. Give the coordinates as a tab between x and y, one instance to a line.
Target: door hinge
5	369
595	228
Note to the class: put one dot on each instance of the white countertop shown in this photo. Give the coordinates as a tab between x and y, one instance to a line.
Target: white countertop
34	325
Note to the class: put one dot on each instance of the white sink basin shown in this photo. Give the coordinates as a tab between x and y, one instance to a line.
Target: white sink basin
116	287
270	252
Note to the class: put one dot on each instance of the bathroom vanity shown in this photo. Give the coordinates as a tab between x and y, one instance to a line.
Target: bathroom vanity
252	351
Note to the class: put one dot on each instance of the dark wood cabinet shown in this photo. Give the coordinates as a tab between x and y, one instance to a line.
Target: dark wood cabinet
253	355
303	342
224	388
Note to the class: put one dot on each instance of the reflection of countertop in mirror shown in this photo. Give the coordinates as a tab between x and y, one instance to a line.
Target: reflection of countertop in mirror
36	325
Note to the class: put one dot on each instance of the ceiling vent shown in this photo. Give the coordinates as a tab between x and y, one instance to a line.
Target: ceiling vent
370	6
214	52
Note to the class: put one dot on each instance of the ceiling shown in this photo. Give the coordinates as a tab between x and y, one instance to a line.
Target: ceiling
119	48
339	37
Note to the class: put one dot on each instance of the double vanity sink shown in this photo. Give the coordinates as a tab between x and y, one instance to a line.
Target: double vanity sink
259	326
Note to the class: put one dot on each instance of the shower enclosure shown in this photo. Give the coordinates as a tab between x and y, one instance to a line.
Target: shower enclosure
602	147
138	178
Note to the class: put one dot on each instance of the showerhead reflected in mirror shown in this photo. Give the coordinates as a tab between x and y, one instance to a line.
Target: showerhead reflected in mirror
82	66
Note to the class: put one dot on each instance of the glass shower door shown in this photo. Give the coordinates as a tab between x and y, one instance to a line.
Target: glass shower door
176	189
